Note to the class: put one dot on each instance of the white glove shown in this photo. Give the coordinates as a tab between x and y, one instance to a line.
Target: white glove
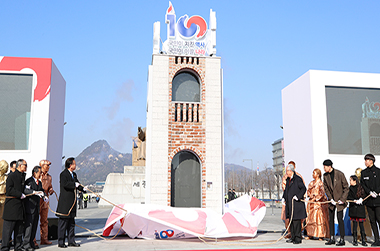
333	202
46	199
39	193
85	189
340	202
76	184
295	197
373	194
23	196
359	201
283	201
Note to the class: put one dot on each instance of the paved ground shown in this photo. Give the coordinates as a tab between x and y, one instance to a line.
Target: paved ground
270	230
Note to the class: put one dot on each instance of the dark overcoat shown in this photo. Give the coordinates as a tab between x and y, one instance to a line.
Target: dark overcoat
14	207
355	210
67	196
370	181
339	191
32	203
295	186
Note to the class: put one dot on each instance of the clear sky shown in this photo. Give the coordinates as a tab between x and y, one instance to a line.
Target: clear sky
103	49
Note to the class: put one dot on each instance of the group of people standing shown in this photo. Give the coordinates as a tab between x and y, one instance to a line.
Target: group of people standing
24	201
330	195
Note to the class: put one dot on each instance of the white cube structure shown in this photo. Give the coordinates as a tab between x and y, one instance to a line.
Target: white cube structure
331	115
32	106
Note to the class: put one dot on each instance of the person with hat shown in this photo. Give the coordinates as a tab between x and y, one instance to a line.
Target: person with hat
46	181
336	188
370	181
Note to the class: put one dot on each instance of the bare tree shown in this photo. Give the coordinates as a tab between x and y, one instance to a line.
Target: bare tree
267	180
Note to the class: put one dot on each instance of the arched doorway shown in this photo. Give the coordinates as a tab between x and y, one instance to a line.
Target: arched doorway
185	180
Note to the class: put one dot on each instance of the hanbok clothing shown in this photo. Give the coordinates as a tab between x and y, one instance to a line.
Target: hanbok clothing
317	213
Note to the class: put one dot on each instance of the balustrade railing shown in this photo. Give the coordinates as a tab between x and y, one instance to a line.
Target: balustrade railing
186	112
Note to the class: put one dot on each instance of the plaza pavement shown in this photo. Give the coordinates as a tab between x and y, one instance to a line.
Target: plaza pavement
270	230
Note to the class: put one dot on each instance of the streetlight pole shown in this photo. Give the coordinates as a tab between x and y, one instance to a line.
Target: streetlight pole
251	170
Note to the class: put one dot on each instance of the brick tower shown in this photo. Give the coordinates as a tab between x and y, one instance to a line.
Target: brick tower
184	136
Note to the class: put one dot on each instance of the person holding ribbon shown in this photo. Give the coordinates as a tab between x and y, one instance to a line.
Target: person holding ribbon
356	209
336	188
47	185
370	181
13	208
295	209
32	208
317	211
67	204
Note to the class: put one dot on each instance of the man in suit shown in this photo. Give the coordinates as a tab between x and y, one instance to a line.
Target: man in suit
370	181
32	208
293	194
336	189
67	206
13	208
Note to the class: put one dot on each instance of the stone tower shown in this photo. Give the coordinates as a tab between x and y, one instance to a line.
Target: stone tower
184	135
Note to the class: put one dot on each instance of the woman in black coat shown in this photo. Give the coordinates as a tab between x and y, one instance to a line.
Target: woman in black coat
294	192
356	209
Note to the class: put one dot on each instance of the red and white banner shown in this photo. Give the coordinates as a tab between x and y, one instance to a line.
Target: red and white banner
241	218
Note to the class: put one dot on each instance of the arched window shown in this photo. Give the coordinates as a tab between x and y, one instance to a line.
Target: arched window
185	180
185	87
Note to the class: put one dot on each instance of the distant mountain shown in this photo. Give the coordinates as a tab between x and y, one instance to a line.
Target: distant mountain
232	167
98	160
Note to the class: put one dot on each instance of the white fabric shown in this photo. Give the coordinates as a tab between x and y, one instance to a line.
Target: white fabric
241	218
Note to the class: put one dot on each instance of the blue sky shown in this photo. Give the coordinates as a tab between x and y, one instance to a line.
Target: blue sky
103	49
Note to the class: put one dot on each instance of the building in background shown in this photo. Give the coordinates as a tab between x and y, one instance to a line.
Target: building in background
278	164
278	155
184	133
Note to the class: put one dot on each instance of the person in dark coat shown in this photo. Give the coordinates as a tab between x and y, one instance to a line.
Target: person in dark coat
32	208
356	209
295	209
14	212
370	181
67	206
230	195
336	188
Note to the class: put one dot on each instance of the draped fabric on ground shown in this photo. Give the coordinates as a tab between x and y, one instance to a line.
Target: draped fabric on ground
241	218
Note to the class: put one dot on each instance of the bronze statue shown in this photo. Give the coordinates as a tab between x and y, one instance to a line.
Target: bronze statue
358	172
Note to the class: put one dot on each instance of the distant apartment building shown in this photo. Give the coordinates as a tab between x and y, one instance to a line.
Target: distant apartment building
278	155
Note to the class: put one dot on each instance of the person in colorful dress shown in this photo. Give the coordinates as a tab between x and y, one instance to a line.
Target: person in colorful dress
317	222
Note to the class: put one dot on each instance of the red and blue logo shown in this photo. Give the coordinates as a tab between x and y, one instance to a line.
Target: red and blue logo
187	28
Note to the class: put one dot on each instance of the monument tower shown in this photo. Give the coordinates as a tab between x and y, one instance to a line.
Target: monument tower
184	134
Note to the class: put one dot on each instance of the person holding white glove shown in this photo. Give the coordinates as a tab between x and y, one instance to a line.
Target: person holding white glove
32	207
293	193
13	208
370	181
67	204
336	189
356	209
